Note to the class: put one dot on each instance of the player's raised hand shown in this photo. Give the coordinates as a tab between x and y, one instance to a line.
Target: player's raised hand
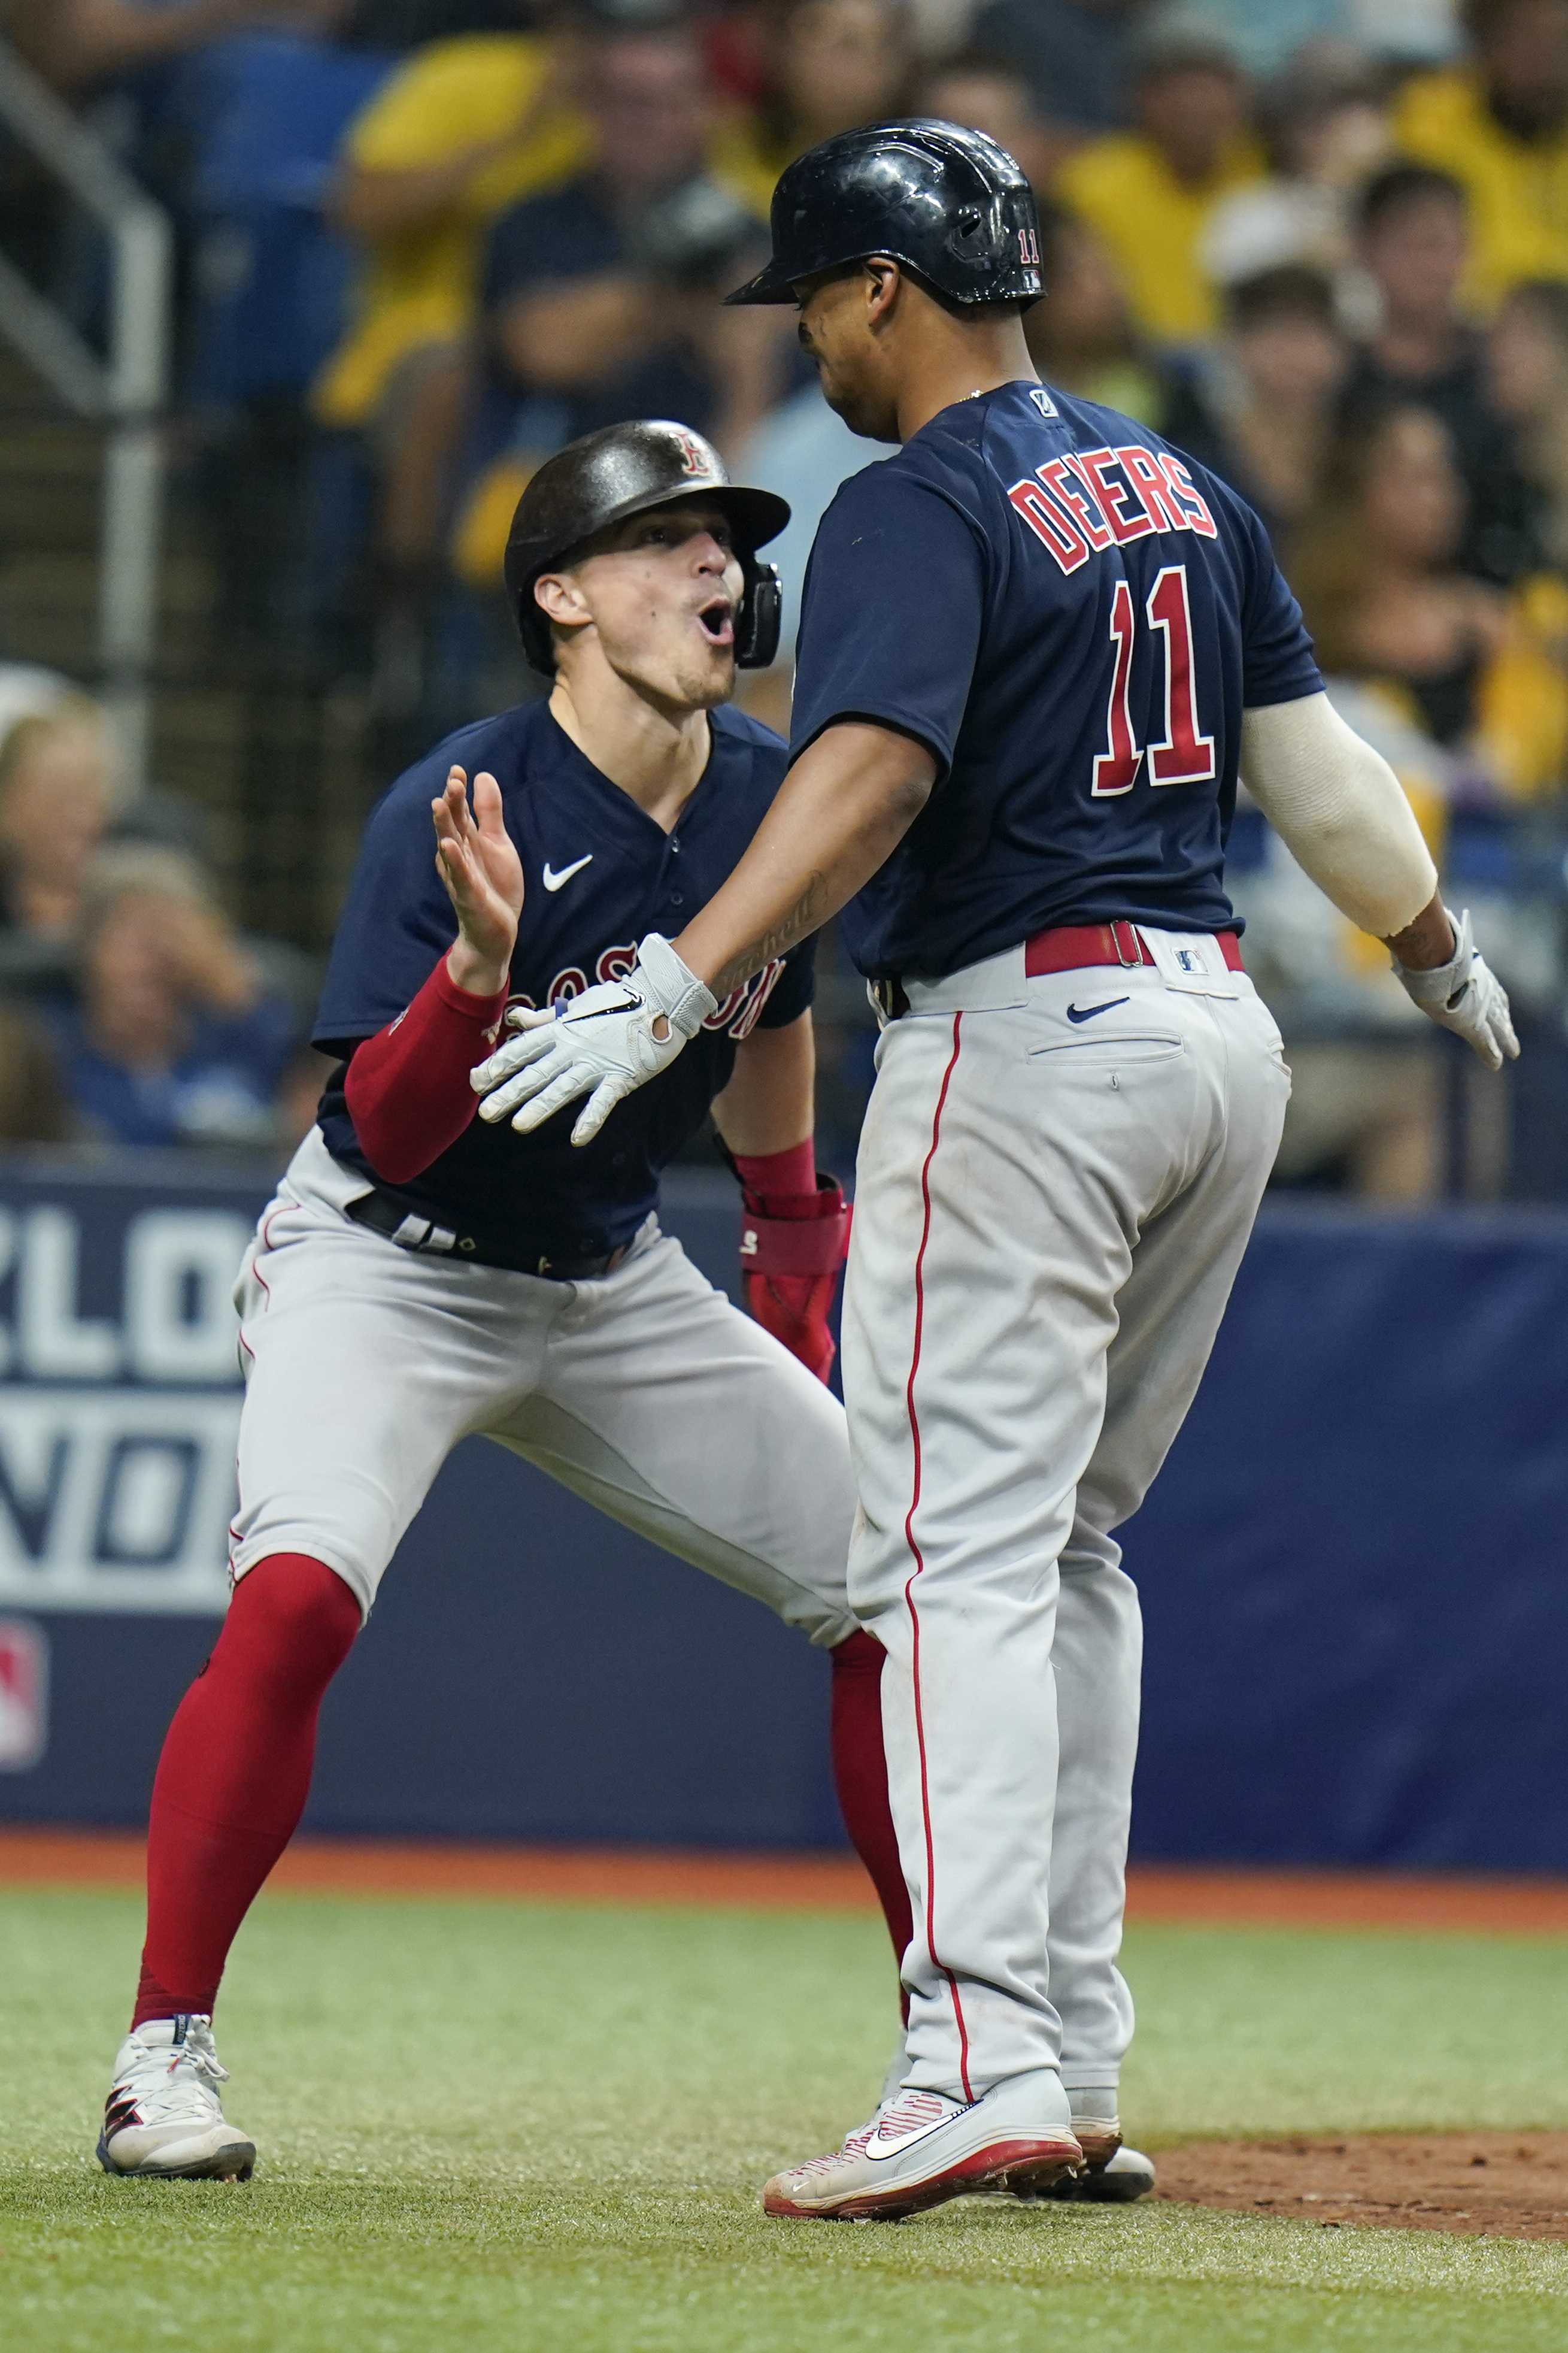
482	873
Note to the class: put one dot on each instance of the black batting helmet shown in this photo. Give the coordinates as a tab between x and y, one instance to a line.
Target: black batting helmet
950	204
607	476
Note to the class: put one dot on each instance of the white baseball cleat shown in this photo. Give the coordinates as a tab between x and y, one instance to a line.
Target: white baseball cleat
921	2148
163	2120
1125	2176
1111	2175
1099	2137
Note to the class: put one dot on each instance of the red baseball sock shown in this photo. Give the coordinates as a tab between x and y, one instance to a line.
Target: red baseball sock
860	1777
234	1773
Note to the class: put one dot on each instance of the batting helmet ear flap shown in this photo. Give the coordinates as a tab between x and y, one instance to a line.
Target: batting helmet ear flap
761	620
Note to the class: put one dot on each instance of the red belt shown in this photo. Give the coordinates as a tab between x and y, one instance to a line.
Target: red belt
1076	944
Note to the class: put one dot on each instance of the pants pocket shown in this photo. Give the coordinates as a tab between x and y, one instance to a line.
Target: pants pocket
1102	1049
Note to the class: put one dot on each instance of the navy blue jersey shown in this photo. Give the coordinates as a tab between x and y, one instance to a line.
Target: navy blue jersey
1072	618
598	874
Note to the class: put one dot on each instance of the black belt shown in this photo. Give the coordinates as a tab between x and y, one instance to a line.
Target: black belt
887	998
410	1231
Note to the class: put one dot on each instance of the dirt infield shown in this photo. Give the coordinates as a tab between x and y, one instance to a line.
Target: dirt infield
1483	2184
1305	1899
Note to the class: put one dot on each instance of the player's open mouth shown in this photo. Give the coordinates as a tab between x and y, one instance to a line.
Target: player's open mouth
716	621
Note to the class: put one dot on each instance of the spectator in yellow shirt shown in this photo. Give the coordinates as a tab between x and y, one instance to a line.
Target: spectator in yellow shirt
460	132
1149	192
1500	124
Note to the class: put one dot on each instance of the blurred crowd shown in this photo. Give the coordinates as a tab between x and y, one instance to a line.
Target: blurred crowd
1321	245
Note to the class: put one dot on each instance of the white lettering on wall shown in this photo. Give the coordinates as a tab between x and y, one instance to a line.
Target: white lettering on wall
180	1266
56	1344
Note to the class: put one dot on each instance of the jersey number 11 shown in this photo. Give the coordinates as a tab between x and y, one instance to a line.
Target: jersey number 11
1183	756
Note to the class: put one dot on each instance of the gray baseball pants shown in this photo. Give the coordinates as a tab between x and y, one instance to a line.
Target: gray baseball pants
1049	1215
645	1392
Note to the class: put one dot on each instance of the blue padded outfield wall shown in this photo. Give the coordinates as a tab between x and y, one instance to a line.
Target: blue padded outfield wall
1354	1569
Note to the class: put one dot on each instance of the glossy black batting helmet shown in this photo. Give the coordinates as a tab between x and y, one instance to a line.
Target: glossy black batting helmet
621	471
949	204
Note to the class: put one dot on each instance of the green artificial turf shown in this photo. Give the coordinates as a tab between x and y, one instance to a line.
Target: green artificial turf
543	2128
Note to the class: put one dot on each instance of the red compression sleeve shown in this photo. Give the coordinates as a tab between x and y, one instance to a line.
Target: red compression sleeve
860	1777
235	1771
771	1174
407	1088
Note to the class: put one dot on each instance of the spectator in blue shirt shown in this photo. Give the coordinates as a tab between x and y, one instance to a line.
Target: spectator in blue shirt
175	1037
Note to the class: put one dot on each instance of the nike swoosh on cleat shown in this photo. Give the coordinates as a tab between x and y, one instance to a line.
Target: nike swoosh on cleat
1088	1012
896	2148
553	882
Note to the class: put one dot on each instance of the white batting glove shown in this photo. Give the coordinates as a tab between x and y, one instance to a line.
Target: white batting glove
1466	996
603	1044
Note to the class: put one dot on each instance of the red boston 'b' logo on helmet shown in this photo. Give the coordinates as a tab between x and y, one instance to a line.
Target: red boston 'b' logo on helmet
696	458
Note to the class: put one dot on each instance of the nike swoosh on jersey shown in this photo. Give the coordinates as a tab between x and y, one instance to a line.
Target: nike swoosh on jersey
1088	1012
553	882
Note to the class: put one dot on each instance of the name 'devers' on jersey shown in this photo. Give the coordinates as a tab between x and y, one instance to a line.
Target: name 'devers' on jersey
1082	502
119	1395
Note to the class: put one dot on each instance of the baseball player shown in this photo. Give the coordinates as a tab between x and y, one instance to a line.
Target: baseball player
420	1276
1036	648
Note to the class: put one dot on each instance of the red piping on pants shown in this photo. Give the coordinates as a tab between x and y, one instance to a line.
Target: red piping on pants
919	1563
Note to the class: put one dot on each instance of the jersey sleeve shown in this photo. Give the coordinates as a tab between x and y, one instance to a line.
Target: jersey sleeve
796	990
1277	664
895	595
396	922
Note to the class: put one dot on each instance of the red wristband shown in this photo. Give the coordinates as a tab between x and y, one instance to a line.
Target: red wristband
772	1173
802	1234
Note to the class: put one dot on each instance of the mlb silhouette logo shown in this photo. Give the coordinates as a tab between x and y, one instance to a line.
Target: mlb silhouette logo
24	1694
1043	401
1189	959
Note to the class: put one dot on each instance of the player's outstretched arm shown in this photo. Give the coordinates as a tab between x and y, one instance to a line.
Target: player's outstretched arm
407	1086
842	810
1339	809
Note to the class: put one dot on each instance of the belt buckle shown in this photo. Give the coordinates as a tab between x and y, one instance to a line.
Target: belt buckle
1127	963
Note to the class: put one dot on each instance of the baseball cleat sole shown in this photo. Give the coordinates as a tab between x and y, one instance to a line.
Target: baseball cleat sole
235	2162
1025	2165
1122	2181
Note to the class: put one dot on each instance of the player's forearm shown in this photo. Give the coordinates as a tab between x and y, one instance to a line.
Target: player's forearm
474	973
407	1088
1341	811
769	1104
841	812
